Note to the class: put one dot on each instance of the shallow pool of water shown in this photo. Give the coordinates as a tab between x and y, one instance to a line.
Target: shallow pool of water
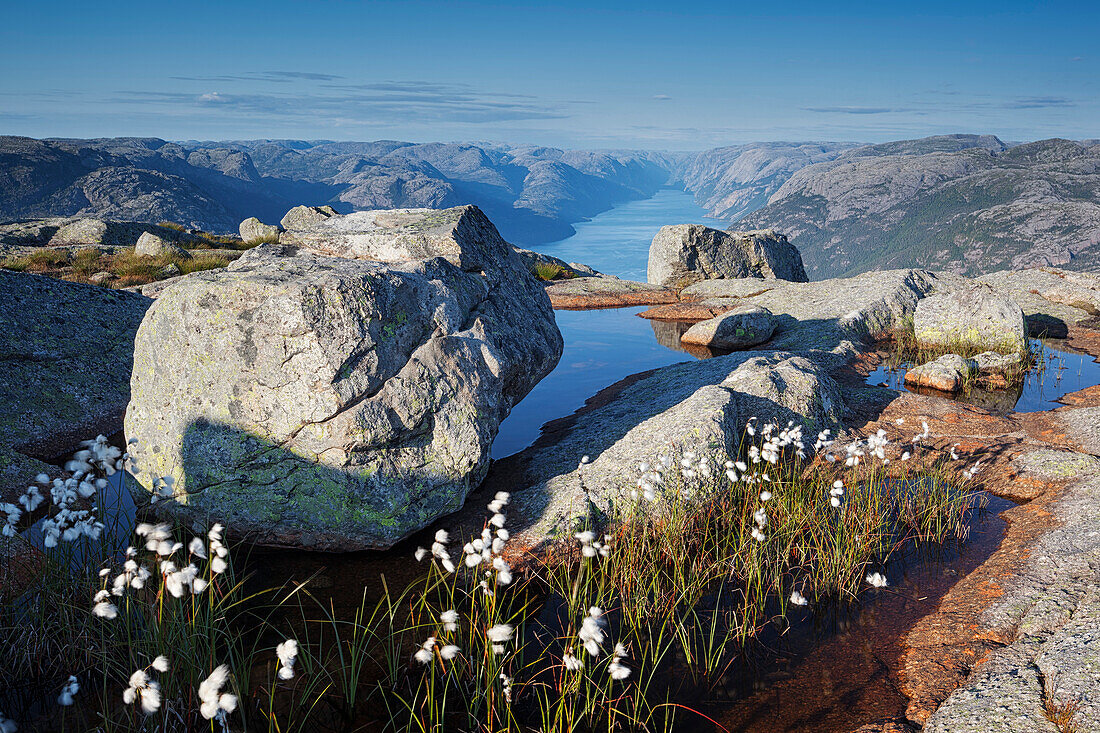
1064	371
601	347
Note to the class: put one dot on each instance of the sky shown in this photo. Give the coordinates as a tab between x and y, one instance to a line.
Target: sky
583	74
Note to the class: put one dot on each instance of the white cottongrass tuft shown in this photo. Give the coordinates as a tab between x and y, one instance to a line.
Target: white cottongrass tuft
449	652
160	664
591	632
287	652
216	703
103	607
798	599
499	635
143	691
877	580
617	670
449	619
71	688
571	662
424	653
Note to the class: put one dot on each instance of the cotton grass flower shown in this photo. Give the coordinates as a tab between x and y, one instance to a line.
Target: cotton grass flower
103	607
571	662
449	652
160	664
798	599
71	687
449	619
216	703
143	691
617	670
499	635
424	653
287	652
877	580
591	632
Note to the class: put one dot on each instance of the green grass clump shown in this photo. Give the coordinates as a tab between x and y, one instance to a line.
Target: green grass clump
172	225
40	261
548	271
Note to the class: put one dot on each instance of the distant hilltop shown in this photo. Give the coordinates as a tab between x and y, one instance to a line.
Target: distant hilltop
967	203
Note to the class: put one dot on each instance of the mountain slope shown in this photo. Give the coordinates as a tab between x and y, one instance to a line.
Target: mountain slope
733	181
533	194
964	203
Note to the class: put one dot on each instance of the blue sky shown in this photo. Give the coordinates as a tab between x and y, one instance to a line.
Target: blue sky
677	76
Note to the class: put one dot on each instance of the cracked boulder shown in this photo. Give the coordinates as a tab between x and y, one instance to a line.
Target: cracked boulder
685	254
339	402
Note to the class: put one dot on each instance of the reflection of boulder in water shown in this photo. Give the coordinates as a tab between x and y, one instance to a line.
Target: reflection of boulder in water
668	334
994	400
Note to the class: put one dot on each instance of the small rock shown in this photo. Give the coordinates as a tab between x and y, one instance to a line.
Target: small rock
169	270
303	217
101	277
946	374
254	230
150	245
740	328
971	316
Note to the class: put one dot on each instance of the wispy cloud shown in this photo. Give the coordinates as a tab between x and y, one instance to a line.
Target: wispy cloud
662	97
1039	103
856	110
281	77
374	103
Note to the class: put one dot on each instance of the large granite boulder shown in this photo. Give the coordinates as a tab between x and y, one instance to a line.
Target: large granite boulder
741	328
340	403
65	356
303	217
253	230
151	245
971	316
687	253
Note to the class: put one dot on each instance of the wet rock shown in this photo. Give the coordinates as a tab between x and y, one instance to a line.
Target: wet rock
1050	613
975	316
741	328
333	403
948	373
150	245
254	230
65	356
303	217
606	291
687	253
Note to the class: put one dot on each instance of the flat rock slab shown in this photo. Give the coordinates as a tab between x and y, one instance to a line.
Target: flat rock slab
605	291
66	352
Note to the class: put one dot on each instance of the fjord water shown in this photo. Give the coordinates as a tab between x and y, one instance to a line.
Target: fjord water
616	242
602	346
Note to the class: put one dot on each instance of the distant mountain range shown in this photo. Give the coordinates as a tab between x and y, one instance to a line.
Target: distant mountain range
969	203
533	194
